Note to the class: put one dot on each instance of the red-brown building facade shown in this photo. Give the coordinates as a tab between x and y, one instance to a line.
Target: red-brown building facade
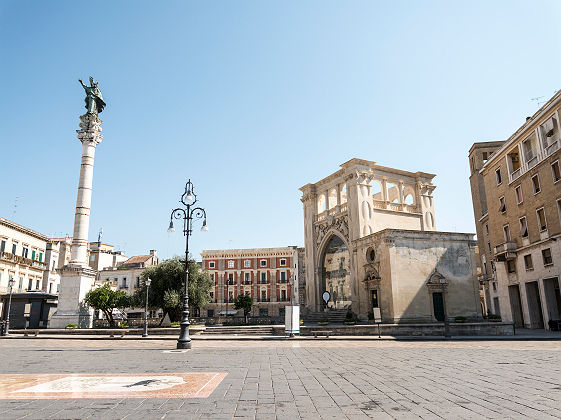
266	274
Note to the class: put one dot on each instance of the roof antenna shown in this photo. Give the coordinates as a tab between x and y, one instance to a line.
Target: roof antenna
15	208
537	100
99	235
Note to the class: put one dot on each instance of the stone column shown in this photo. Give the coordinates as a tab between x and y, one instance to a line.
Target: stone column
90	136
77	277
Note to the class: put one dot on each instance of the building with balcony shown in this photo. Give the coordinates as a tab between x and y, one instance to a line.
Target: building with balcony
126	276
266	274
516	197
371	242
22	257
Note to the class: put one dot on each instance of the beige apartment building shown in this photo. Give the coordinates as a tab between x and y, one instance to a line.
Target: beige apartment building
22	257
517	207
266	274
126	276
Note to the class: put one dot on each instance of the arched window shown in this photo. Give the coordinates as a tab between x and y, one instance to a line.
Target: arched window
392	192
343	193
332	198
322	203
377	190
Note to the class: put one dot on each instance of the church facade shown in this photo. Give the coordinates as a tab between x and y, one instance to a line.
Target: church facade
371	242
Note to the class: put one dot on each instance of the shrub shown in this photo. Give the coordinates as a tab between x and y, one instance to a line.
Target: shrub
174	324
324	319
71	325
493	317
123	325
370	316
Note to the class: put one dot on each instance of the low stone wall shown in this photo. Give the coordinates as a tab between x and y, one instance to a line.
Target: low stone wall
193	330
415	330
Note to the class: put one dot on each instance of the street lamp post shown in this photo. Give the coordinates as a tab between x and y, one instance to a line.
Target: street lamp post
11	283
188	199
147	283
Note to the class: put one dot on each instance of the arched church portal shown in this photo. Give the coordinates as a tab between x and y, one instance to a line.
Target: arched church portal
336	274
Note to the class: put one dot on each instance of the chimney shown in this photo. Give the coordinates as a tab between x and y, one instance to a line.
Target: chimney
153	252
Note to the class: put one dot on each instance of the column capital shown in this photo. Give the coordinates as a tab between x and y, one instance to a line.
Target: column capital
90	129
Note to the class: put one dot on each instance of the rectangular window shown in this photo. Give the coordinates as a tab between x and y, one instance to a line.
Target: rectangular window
30	284
211	264
555	171
137	285
247	263
283	262
20	283
494	286
546	255
230	296
40	257
489	246
283	276
212	277
211	294
230	278
523	227
528	264
487	228
50	288
518	193
24	252
230	264
263	263
502	205
536	183
541	219
2	246
506	231
246	277
14	246
499	177
263	277
36	284
511	266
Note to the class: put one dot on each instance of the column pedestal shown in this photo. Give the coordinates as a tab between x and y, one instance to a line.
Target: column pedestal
75	282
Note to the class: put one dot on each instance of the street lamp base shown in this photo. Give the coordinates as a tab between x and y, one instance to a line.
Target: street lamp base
181	345
144	335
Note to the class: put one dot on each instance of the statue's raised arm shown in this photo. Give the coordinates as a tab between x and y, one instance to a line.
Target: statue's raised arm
94	100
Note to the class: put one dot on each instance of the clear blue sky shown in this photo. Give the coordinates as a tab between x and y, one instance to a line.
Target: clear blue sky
252	100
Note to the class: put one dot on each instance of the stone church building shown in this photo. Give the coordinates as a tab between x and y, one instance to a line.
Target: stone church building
371	241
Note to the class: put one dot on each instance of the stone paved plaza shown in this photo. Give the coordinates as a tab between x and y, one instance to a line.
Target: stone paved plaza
305	379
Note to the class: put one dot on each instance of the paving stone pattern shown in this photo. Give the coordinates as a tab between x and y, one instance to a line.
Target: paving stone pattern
320	379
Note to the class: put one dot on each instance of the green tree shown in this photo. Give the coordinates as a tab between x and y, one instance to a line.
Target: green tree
244	302
106	299
168	283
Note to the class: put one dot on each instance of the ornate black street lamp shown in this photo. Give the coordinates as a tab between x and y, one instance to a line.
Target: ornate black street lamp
188	199
147	283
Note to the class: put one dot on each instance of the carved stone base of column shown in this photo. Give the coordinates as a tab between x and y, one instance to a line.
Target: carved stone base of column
75	282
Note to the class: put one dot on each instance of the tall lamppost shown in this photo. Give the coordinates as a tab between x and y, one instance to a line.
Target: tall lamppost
147	283
188	199
11	283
